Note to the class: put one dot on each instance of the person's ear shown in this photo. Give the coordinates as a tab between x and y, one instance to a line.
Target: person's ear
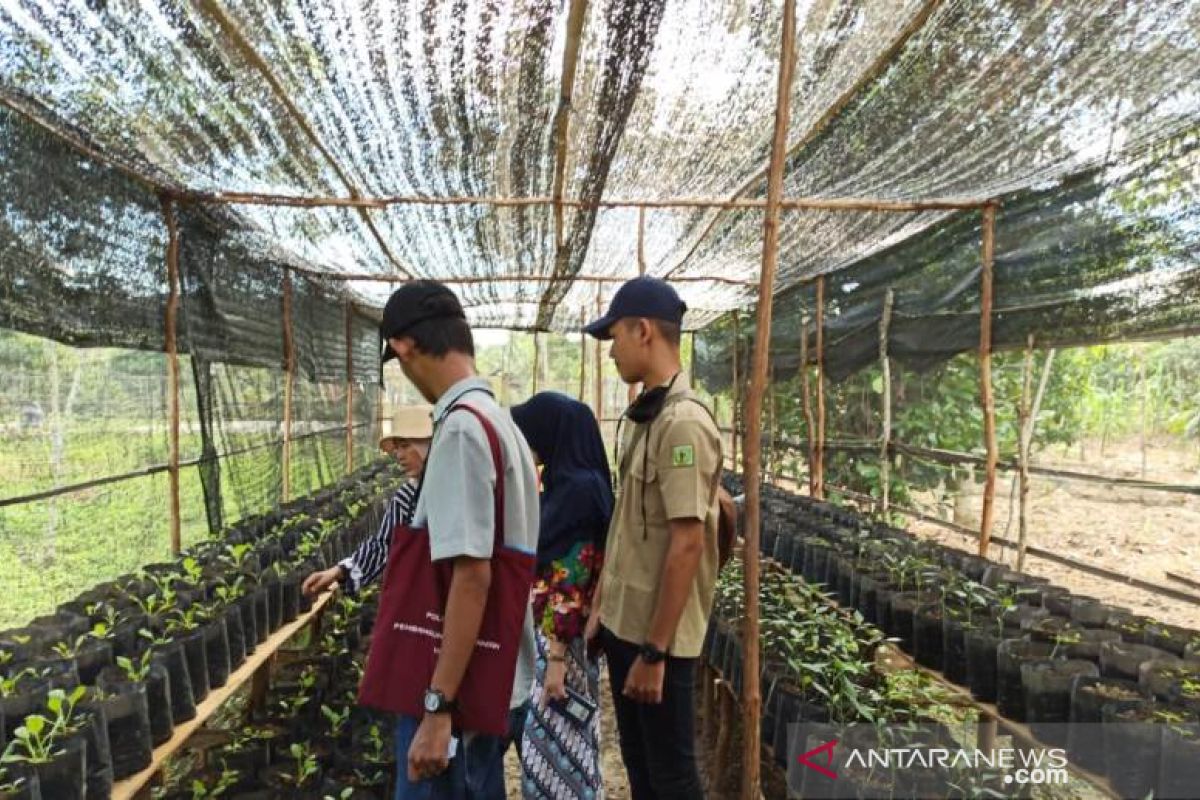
403	348
645	331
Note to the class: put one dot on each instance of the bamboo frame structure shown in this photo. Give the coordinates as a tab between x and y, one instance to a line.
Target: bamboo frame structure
537	360
806	400
1023	425
582	357
498	201
819	486
751	694
986	391
454	280
349	388
599	368
171	324
885	436
289	367
736	387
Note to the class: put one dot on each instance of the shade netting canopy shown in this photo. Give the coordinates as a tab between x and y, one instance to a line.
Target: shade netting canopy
1079	116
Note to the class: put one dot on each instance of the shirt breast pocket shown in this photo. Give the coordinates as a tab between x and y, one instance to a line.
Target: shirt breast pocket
644	537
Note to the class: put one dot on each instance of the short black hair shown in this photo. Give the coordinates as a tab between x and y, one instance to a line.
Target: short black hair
672	332
441	335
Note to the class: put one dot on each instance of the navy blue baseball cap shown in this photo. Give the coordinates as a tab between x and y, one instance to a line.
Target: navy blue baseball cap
652	298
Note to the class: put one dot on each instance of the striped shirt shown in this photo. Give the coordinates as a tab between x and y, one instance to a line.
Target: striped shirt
371	557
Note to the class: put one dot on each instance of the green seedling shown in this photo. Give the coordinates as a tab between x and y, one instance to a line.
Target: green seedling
224	783
305	765
137	671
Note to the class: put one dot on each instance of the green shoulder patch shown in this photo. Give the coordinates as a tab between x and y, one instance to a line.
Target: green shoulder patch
683	455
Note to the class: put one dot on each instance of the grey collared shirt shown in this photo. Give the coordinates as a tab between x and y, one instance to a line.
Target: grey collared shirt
457	500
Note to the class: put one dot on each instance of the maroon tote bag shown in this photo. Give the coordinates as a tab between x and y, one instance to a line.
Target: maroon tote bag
407	636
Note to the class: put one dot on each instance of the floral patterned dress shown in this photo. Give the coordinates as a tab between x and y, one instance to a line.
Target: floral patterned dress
559	756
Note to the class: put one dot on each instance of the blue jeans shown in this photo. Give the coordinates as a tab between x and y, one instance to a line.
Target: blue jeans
475	773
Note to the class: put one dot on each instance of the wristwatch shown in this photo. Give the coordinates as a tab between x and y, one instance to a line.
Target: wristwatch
651	654
436	702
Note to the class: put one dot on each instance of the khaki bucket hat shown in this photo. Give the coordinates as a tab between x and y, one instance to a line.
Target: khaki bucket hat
409	422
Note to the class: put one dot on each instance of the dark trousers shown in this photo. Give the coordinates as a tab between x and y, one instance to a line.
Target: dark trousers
658	741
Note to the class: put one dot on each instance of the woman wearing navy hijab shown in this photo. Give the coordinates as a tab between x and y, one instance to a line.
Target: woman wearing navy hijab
560	754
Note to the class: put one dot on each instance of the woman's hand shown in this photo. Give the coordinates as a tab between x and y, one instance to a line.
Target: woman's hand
554	687
320	581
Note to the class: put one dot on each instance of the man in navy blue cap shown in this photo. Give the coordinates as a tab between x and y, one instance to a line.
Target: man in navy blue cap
655	593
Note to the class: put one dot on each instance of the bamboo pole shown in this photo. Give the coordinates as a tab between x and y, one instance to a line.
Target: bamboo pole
633	390
885	364
171	324
736	388
809	422
1023	451
500	279
987	396
289	366
599	369
576	17
349	388
582	356
820	449
741	204
751	691
537	360
1028	425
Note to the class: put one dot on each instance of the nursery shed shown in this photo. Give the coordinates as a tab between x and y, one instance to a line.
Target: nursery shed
229	189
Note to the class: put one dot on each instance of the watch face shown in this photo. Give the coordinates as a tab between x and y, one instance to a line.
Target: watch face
432	702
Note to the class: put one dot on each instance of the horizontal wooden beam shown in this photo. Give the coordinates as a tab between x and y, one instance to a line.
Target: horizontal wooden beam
794	203
130	787
485	279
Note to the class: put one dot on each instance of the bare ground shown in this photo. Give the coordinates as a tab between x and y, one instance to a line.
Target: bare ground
1136	532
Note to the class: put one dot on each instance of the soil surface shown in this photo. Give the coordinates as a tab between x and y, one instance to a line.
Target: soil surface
1138	533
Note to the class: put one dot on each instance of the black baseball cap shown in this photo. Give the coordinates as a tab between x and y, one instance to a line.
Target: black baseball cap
652	298
416	301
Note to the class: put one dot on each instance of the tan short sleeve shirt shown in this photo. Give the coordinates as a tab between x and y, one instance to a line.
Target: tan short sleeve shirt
669	471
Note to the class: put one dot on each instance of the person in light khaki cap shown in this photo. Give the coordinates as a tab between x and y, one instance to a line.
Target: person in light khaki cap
405	437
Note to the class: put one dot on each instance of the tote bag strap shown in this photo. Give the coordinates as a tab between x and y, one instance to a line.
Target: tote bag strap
493	438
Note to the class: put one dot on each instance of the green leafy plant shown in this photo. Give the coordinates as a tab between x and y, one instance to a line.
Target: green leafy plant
36	740
139	670
68	649
304	765
338	721
11	684
225	781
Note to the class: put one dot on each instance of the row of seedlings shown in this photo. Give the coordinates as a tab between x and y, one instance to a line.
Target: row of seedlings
822	681
87	692
309	740
1073	667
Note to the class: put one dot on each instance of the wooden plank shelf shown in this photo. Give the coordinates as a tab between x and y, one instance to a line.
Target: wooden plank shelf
249	672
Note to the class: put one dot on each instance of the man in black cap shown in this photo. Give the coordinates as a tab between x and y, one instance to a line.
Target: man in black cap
424	327
656	589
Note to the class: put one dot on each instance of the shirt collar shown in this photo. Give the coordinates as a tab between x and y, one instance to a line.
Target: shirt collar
680	385
455	392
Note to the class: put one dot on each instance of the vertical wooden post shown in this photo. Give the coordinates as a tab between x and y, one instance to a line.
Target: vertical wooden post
634	388
819	487
772	428
289	367
752	451
349	387
735	389
1023	450
885	364
537	360
806	399
582	356
171	323
599	369
1025	443
987	396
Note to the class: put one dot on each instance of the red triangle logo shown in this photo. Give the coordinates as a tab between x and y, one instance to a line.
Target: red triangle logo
827	749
